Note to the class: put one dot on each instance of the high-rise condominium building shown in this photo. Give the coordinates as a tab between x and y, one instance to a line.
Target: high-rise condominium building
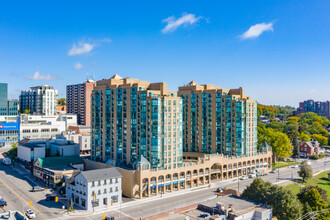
78	101
133	120
40	100
218	120
318	107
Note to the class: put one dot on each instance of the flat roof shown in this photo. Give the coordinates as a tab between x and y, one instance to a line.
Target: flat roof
239	204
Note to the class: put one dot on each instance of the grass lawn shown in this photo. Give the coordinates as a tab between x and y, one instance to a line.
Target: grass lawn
283	164
320	180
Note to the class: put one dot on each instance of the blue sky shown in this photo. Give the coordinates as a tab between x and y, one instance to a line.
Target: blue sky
278	51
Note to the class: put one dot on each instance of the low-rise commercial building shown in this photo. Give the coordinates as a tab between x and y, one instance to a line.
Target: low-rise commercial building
95	188
30	150
61	147
54	170
38	126
9	133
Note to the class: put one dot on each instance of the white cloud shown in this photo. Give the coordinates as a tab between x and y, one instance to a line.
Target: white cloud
256	30
106	40
81	48
38	76
184	20
77	66
312	91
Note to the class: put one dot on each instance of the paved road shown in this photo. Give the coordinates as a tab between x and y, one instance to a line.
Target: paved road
157	205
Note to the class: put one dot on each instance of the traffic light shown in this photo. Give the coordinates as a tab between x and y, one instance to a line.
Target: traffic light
30	203
56	199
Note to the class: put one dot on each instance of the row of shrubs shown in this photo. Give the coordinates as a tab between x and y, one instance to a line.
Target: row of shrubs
316	157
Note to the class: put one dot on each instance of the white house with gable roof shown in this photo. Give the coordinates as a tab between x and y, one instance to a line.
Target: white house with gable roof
102	186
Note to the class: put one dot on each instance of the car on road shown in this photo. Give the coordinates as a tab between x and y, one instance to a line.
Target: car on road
37	189
220	189
244	177
50	197
204	215
30	214
295	166
109	218
252	175
3	203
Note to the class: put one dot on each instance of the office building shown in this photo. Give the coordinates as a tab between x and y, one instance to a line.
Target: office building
12	107
133	119
318	107
9	133
3	98
7	107
39	100
78	101
100	188
218	120
78	134
39	126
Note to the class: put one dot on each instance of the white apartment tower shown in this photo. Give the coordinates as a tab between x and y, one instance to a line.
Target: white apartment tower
40	100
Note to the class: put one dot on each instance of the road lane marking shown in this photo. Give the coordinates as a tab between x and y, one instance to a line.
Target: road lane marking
19	196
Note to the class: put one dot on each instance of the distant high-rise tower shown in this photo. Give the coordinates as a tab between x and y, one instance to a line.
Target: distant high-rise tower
78	101
3	98
7	107
40	100
133	119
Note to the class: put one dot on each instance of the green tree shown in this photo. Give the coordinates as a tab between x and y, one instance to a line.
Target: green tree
296	151
281	144
285	205
61	101
305	171
304	137
27	111
320	138
303	190
314	200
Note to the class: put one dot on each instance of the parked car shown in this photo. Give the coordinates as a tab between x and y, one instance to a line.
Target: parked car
204	215
3	203
220	189
109	218
295	166
252	175
50	197
37	189
274	171
244	177
30	214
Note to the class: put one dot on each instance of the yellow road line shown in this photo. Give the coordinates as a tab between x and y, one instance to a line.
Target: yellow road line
19	196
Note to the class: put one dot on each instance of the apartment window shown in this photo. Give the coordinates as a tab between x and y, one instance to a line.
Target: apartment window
93	193
105	182
105	191
93	184
116	189
99	184
99	192
110	190
110	181
116	180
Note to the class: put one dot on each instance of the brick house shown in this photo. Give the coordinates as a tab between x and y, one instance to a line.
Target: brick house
308	148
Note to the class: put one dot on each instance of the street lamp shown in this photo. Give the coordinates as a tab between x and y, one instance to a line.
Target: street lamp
238	184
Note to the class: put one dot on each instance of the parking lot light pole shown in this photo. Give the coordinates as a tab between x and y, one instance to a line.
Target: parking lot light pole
238	184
